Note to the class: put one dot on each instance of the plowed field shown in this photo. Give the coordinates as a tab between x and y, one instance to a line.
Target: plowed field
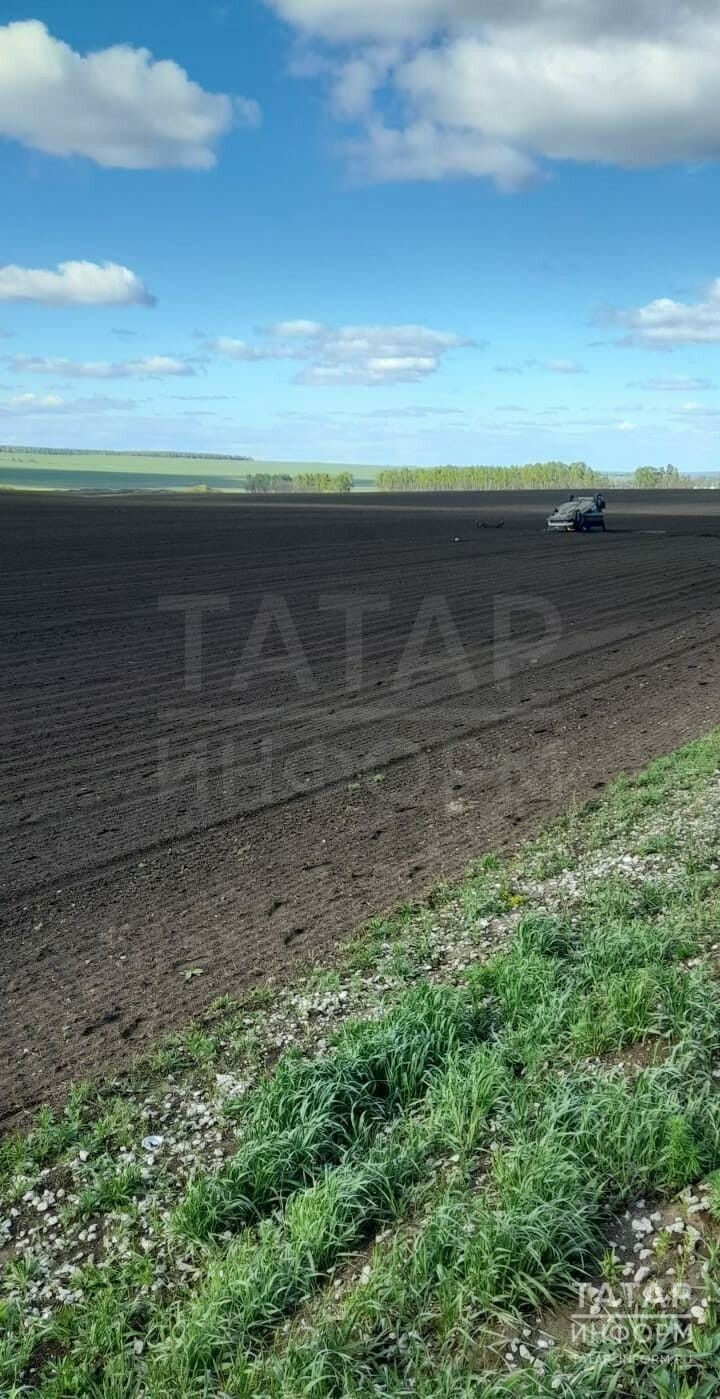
229	795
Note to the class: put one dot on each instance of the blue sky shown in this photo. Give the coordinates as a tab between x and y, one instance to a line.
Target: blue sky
407	231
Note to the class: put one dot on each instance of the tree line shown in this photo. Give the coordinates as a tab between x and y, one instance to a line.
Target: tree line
307	482
548	475
120	452
543	475
657	477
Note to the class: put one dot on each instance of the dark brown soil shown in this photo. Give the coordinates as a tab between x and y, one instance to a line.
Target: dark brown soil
147	828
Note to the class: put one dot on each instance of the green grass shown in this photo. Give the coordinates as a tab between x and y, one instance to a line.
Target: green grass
196	468
444	1168
311	1114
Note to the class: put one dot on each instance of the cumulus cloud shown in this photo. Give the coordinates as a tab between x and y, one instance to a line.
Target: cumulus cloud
230	348
413	19
119	106
427	150
376	355
373	19
75	284
664	324
152	367
349	355
494	89
627	102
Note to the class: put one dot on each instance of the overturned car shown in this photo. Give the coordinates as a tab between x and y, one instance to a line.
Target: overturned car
583	512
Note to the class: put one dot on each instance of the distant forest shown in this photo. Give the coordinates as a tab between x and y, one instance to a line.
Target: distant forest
94	452
542	475
311	482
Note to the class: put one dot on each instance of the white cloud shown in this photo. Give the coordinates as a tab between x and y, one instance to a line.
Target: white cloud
229	348
641	101
563	366
694	409
233	349
152	367
412	19
373	19
411	411
553	366
664	324
118	106
356	81
376	355
493	89
289	330
35	400
680	383
349	355
29	404
425	150
372	370
75	284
